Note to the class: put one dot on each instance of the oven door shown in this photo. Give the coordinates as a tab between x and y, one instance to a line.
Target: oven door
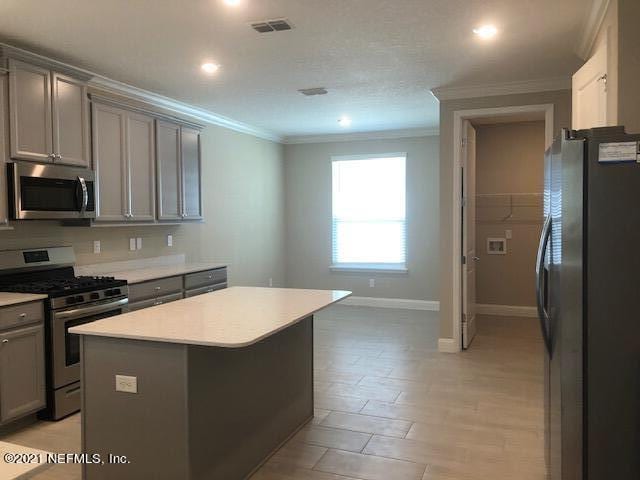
50	192
66	346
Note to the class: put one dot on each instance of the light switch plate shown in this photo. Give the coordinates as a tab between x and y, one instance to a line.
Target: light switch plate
139	243
372	282
126	383
508	234
96	246
132	244
169	240
271	282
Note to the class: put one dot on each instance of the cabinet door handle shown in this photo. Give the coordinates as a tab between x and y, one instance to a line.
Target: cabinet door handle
5	340
157	288
22	315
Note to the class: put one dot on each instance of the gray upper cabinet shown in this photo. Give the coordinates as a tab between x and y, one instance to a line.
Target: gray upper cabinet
141	167
168	170
109	162
4	213
179	171
22	378
30	112
70	110
124	161
191	174
48	116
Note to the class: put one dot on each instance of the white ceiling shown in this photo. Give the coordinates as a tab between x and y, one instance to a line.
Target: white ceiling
379	59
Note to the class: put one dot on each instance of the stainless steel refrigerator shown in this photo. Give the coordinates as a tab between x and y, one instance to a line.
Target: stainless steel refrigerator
588	285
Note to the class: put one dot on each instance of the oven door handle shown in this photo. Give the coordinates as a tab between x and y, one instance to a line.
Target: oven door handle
92	310
85	194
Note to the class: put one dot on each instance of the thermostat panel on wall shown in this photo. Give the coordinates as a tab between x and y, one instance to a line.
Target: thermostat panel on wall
497	246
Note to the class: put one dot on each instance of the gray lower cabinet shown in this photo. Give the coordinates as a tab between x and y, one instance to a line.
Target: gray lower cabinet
124	161
22	368
165	290
49	117
207	289
178	171
152	302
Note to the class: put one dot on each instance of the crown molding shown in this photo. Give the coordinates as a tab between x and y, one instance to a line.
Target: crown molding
507	88
181	108
591	26
120	88
359	136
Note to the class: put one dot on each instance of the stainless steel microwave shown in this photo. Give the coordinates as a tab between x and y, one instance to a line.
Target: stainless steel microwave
40	191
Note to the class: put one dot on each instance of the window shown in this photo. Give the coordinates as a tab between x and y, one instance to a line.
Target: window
369	212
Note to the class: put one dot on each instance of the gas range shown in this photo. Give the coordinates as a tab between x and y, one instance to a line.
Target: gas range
71	301
64	288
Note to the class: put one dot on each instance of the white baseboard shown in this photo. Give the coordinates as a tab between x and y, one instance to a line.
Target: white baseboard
506	310
407	303
448	345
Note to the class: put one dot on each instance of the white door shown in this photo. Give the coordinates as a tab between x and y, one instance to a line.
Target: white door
590	92
468	234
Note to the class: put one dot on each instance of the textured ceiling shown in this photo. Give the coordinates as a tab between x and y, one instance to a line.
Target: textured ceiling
378	58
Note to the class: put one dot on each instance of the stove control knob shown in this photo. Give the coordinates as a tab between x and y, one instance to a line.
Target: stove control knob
79	298
95	296
116	291
71	300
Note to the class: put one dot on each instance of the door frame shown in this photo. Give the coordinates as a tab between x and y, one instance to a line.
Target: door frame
456	259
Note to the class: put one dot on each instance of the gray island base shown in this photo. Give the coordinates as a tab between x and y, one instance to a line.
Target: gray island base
203	409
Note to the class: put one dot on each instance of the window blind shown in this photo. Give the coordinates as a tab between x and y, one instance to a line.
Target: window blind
369	212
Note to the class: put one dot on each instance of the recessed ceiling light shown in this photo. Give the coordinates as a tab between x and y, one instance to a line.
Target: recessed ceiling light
210	68
232	3
344	121
486	31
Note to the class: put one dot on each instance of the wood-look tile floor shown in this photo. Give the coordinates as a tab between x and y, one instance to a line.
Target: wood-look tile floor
390	407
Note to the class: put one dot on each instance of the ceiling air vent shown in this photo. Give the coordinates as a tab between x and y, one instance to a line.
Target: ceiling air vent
309	92
277	25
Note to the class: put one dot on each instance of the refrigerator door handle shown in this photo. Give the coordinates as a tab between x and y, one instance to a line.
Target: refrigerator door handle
543	315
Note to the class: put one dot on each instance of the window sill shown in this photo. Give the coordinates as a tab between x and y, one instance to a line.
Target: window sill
369	268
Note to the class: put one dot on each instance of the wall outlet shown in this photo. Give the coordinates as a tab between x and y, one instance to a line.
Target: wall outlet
139	243
271	282
96	246
372	282
169	240
132	244
508	234
127	384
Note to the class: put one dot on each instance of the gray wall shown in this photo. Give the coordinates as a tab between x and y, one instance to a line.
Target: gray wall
509	159
243	203
562	106
308	219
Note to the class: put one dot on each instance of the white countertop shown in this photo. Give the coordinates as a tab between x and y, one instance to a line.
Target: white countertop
153	273
14	471
145	269
234	317
11	298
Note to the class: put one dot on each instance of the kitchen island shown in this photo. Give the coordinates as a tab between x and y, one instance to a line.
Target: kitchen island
202	388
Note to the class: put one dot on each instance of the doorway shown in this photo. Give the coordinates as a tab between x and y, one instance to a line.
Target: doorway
487	214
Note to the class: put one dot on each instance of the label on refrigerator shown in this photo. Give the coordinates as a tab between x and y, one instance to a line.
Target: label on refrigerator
618	152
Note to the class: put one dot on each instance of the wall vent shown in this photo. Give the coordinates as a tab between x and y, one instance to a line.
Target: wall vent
309	92
276	25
